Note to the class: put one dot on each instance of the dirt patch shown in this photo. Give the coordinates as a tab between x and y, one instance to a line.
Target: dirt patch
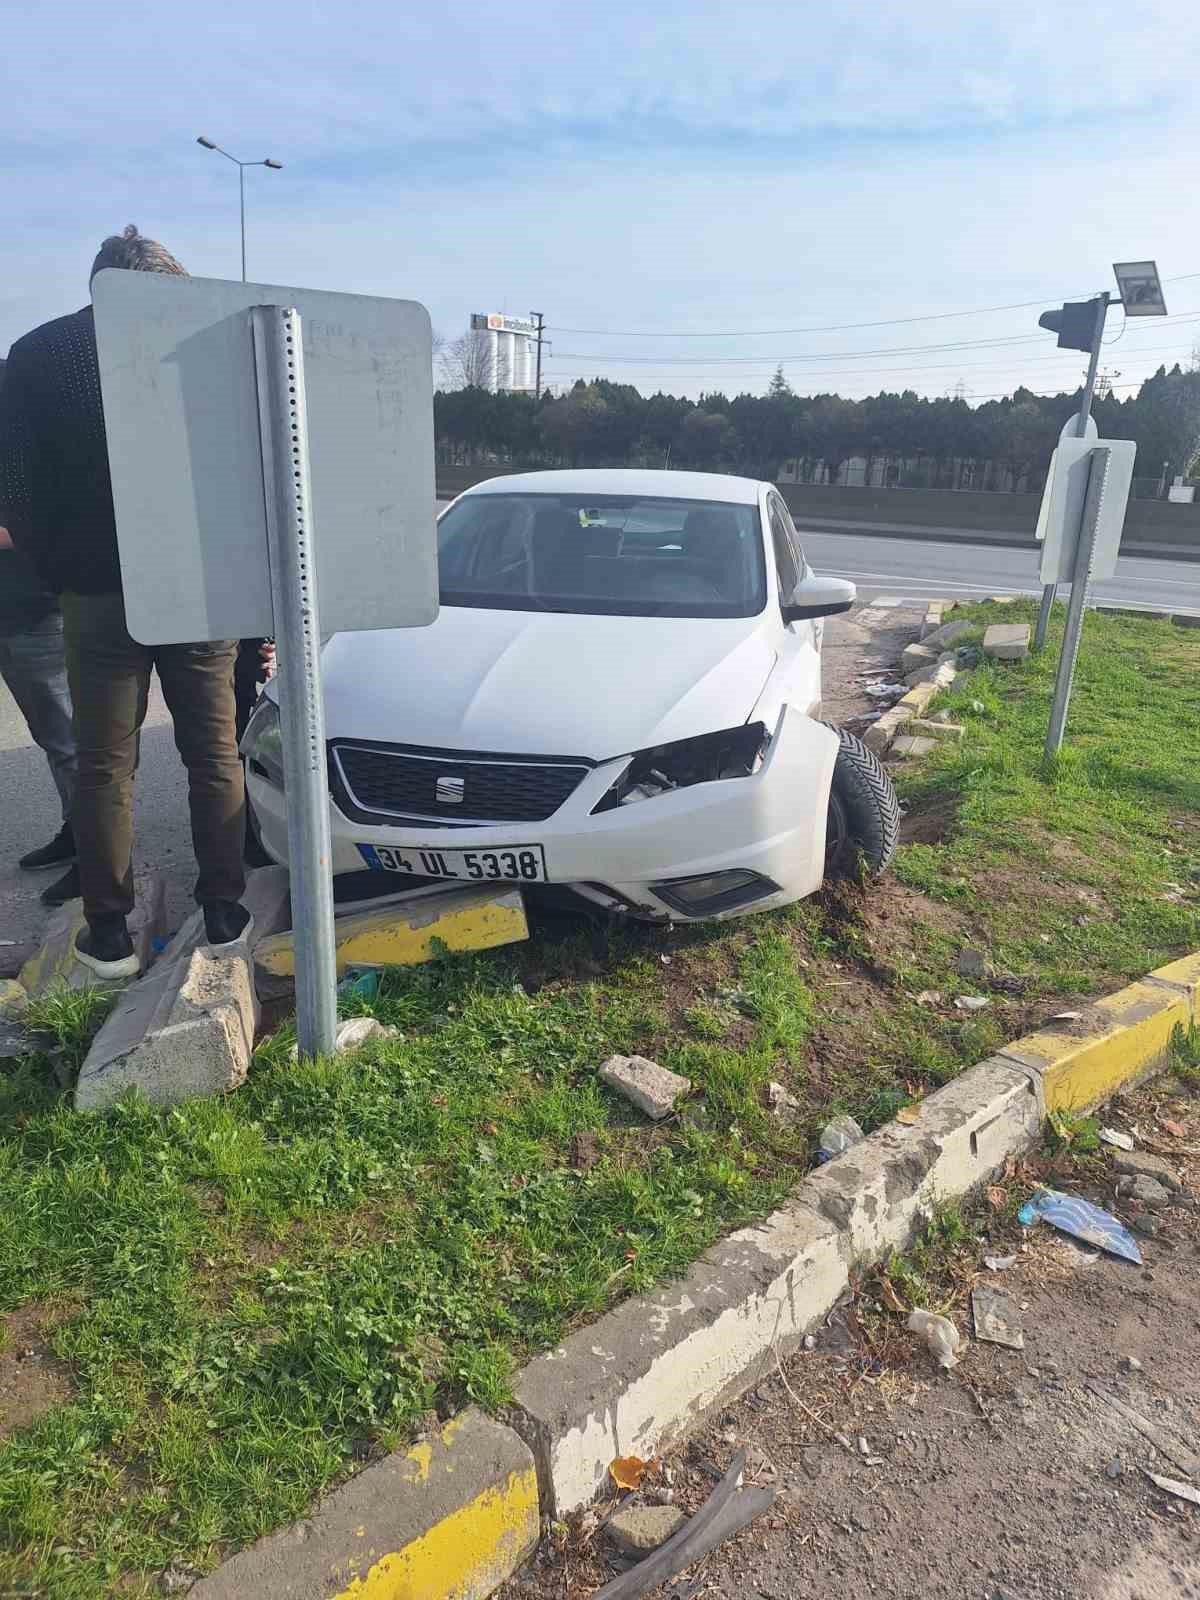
1013	1477
32	1378
932	820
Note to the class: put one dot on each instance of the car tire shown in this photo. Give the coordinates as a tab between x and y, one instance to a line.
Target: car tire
864	814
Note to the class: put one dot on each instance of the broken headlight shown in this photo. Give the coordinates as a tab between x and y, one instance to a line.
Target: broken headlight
737	753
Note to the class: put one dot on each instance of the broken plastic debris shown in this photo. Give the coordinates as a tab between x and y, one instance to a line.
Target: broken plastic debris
1066	1016
999	1263
627	1472
1082	1220
972	1002
929	997
996	1319
1184	1491
939	1334
1123	1141
837	1136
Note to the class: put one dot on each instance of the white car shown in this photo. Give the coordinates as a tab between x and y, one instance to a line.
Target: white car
621	694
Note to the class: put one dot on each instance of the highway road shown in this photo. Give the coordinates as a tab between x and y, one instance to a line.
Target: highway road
879	565
886	565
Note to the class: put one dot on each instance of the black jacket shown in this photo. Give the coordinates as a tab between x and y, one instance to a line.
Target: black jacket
55	490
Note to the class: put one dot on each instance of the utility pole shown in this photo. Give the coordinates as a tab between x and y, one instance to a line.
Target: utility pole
541	323
1071	326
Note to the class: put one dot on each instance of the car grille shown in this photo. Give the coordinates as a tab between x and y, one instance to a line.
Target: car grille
394	781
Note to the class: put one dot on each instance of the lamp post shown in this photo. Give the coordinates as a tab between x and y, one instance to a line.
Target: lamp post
276	166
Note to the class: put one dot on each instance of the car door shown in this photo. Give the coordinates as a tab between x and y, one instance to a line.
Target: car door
800	647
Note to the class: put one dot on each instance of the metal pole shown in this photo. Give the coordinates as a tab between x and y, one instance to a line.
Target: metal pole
283	426
242	195
541	323
1081	422
1081	579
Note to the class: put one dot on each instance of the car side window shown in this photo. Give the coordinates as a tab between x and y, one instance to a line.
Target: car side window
786	563
797	546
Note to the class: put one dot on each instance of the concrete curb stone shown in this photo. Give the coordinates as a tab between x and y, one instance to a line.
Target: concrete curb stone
645	1374
186	1028
56	961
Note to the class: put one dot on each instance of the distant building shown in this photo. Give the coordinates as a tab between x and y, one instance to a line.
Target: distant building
512	363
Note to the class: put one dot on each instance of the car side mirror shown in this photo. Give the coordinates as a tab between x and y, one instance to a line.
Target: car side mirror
817	596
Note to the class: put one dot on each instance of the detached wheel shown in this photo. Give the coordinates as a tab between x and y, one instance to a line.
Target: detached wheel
864	813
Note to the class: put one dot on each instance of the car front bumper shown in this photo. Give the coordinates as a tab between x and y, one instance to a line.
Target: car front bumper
772	824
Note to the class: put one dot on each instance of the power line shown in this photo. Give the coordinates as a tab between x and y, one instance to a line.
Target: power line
846	372
838	327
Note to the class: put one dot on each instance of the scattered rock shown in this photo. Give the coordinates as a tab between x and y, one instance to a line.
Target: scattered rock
177	1579
1131	1364
810	1342
972	964
641	1529
354	1032
1148	1225
938	726
651	1088
1141	1164
916	656
786	1107
1007	641
909	747
942	638
1145	1191
1114	1470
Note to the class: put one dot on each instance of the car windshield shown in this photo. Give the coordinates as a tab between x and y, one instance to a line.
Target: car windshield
614	555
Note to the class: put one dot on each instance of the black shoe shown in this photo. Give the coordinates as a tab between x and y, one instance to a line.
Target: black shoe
105	946
226	922
62	889
60	852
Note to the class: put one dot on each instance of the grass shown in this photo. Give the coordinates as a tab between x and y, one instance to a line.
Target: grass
257	1294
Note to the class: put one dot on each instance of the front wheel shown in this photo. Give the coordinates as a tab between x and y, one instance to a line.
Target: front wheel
864	813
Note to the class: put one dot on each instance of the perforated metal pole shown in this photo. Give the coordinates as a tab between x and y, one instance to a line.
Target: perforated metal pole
1081	582
1081	422
283	426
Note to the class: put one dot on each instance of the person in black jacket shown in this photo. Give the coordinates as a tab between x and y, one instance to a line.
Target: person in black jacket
34	666
57	494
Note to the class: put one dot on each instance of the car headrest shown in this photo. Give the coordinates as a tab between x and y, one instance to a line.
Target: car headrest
711	534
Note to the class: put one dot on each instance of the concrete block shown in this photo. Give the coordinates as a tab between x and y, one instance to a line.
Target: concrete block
450	1519
56	961
878	1191
916	656
404	933
192	1034
1124	1037
908	747
651	1088
880	733
942	638
916	701
922	728
941	674
188	1026
1007	641
644	1375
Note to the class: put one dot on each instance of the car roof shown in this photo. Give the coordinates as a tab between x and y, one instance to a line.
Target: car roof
627	480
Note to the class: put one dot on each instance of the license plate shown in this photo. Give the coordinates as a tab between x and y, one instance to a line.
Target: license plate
518	863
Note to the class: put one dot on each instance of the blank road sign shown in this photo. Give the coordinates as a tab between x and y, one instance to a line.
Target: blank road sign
181	415
1063	505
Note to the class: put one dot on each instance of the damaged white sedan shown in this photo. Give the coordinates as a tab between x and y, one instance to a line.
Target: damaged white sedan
621	695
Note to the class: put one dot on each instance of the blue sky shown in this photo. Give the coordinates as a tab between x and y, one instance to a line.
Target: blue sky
654	170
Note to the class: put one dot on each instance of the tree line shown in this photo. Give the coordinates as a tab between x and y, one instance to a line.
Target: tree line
601	423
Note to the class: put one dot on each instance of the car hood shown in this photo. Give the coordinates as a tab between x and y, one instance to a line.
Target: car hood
537	683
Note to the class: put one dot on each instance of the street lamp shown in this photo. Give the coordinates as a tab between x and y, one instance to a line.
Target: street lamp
276	166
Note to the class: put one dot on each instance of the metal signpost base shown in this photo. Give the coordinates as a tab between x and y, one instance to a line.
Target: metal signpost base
1081	579
283	425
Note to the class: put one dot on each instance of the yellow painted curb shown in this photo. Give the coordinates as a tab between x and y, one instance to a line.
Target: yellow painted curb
13	998
448	1519
1185	975
405	934
1130	1035
466	1555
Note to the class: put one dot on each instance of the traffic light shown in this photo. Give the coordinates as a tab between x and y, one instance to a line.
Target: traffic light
1075	324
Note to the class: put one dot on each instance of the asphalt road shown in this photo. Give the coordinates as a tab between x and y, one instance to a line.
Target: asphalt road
884	565
880	566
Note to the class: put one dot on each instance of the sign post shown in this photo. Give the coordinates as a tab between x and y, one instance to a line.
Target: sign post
267	444
1081	580
287	494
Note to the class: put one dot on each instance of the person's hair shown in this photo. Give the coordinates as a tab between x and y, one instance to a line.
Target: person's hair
135	253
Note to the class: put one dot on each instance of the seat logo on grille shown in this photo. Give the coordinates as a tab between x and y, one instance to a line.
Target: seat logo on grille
451	791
